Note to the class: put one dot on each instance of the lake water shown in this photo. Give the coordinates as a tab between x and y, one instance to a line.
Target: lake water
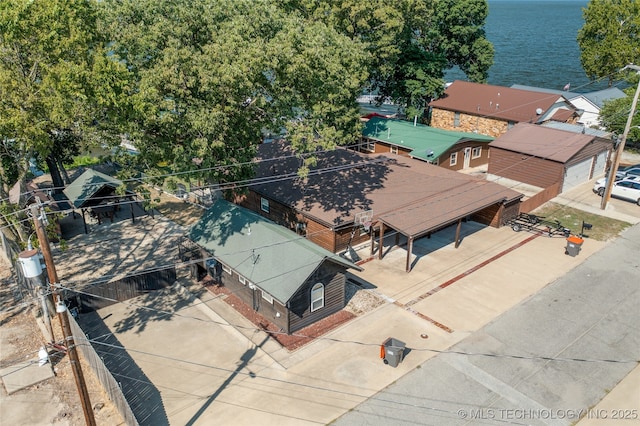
535	44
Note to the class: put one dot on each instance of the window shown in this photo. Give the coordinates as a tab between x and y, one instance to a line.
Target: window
456	119
264	205
393	149
317	297
242	280
266	296
226	269
453	160
476	152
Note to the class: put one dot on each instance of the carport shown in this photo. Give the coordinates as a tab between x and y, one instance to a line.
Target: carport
483	203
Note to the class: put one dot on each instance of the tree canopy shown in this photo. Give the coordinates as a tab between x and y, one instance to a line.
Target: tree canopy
57	83
610	37
410	42
215	76
615	113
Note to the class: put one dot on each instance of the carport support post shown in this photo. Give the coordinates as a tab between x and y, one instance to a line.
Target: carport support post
64	319
84	222
458	233
380	245
409	250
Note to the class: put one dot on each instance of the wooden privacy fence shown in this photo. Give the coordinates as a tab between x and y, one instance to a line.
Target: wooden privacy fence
109	383
540	198
97	296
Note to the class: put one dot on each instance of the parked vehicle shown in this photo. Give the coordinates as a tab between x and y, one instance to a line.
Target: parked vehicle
626	189
628	171
602	182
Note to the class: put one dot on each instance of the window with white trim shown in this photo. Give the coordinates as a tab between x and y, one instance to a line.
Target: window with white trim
264	205
476	152
317	297
242	280
453	159
369	145
266	296
226	269
393	149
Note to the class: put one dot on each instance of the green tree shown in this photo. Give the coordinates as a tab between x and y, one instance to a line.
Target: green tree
410	42
213	76
615	113
57	83
609	38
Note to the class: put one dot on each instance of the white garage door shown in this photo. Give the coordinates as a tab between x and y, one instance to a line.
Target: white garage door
576	174
601	163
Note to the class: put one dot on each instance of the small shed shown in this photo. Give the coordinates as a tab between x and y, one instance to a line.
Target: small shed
544	156
286	278
445	148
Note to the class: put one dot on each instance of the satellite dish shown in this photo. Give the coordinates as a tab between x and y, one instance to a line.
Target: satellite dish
538	111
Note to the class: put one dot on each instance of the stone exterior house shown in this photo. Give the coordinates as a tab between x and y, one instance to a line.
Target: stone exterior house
492	110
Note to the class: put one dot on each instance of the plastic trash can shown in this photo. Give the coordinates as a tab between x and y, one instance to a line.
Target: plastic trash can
573	246
393	351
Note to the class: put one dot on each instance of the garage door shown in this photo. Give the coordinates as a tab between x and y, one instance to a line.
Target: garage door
601	162
576	174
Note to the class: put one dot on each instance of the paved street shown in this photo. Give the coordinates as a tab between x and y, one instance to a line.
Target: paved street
546	361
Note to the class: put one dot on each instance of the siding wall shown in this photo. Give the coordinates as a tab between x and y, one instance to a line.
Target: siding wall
444	119
444	160
333	278
524	168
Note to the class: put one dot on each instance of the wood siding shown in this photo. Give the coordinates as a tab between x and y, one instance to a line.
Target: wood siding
525	168
444	119
444	159
333	278
540	198
592	150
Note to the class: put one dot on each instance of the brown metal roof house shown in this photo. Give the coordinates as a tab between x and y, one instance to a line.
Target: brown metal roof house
288	279
492	110
543	156
444	148
411	197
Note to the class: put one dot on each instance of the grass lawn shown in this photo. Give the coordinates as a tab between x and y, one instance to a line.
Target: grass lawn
603	228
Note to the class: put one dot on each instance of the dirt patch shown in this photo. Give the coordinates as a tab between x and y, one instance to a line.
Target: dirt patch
360	301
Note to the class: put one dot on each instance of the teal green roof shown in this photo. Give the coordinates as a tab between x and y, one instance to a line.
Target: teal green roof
425	143
87	185
271	256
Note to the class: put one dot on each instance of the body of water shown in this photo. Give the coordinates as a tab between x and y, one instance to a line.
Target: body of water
535	44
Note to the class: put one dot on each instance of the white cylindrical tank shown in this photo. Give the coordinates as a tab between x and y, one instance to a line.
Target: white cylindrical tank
30	262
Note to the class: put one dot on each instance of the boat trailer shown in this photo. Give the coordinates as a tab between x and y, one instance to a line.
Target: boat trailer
538	224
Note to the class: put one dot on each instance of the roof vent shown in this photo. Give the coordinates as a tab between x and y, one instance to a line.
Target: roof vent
538	111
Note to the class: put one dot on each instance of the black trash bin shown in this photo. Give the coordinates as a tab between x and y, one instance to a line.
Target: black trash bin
573	246
393	351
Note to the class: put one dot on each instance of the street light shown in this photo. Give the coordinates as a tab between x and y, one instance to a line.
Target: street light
614	167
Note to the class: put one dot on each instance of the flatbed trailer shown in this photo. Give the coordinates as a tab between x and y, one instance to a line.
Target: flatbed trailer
538	224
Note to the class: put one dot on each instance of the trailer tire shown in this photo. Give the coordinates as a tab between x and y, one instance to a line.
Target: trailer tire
516	227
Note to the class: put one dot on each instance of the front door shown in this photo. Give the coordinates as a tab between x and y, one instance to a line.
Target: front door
467	158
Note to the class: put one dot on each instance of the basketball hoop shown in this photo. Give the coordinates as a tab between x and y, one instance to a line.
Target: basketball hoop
363	219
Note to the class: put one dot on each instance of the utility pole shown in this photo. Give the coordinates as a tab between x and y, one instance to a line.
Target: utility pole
618	154
64	319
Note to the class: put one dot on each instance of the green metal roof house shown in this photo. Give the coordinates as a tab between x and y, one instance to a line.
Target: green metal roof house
285	277
445	148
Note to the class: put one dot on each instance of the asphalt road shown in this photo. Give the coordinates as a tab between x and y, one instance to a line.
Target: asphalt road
545	361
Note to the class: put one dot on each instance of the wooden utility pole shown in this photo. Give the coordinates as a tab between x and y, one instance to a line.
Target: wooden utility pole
611	177
64	319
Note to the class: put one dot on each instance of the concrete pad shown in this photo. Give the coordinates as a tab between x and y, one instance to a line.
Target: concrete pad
24	374
621	405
